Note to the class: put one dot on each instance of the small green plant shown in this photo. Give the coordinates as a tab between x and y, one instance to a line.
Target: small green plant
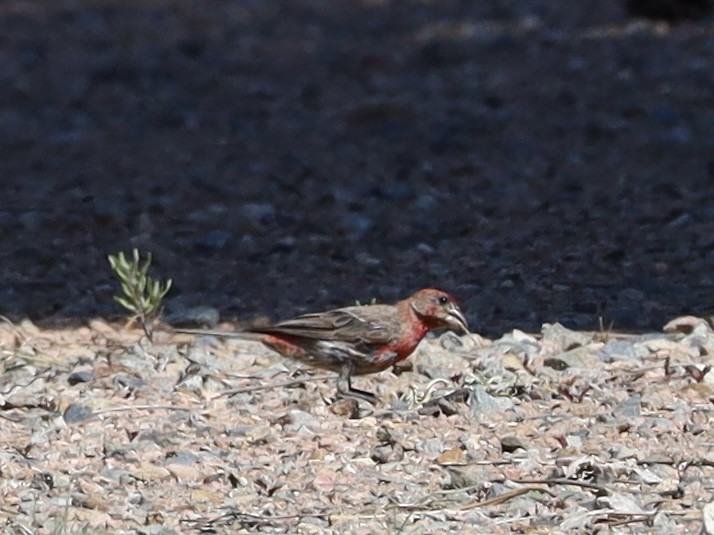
142	295
372	301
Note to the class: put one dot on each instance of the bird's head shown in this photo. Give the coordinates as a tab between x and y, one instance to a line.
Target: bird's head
437	309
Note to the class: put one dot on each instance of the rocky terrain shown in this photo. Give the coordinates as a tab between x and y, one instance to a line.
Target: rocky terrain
559	432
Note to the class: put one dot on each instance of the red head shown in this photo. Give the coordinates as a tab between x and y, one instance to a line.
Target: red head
437	309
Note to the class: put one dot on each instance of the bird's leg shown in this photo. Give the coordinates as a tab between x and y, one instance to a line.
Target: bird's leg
344	386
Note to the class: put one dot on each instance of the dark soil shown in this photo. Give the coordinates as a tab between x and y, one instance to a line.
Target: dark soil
544	161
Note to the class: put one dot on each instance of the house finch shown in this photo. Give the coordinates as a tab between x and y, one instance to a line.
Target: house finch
358	340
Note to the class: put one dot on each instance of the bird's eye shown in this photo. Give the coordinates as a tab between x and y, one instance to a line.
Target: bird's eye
443	300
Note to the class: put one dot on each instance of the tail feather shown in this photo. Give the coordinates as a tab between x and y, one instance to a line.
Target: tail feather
243	335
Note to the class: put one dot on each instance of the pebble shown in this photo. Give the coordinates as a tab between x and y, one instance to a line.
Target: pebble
630	408
432	446
302	419
621	350
708	516
563	337
213	241
510	444
80	377
76	413
482	403
202	315
583	358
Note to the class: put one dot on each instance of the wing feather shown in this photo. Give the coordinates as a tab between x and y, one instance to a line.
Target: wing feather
371	325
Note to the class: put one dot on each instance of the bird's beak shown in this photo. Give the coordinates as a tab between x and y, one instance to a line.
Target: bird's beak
455	319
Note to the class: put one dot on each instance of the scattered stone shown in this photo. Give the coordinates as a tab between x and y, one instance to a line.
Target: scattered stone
512	362
620	504
584	358
387	453
482	404
615	350
708	518
80	377
452	456
432	446
647	476
466	476
183	457
185	473
203	316
76	413
684	324
564	338
213	241
129	382
150	473
301	419
346	408
510	444
630	408
451	341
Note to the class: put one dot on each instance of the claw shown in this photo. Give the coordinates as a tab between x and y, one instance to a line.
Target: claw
345	389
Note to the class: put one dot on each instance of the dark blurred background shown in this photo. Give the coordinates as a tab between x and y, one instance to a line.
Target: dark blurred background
544	161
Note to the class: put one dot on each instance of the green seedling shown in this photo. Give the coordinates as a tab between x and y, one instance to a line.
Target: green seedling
141	295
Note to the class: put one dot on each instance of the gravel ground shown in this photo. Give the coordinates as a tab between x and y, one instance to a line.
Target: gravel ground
562	432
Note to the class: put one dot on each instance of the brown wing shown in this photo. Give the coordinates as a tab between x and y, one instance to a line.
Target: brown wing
373	324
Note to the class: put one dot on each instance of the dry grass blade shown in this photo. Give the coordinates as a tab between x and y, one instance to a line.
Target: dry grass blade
271	386
506	496
563	481
126	408
248	520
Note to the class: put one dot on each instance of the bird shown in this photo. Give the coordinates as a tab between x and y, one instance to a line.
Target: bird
357	340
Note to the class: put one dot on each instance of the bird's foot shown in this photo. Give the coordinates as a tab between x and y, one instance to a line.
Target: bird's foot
344	386
355	393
